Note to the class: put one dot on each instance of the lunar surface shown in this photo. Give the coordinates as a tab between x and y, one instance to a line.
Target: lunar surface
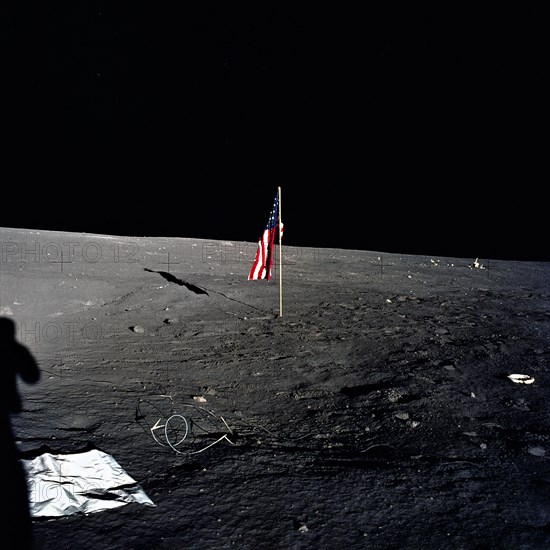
379	411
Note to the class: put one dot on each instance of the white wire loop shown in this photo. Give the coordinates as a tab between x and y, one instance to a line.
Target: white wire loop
173	439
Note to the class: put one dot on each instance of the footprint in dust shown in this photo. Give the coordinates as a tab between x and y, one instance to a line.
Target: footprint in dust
365	389
448	366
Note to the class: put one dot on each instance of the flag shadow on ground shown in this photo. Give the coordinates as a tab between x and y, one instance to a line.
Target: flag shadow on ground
172	279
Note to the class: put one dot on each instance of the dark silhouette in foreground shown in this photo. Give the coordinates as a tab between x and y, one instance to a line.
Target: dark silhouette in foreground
17	362
171	279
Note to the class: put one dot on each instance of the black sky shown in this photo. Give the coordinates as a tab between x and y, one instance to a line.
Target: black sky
407	130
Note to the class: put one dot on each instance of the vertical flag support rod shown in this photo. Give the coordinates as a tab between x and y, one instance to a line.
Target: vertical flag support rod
280	260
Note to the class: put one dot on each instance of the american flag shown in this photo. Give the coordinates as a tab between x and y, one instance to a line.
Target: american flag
261	267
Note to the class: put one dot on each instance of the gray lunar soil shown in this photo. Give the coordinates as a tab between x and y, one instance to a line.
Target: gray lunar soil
377	412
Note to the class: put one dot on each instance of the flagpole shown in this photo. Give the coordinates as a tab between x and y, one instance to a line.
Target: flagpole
280	260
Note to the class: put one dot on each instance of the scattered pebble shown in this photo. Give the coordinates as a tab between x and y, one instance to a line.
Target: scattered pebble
536	451
402	416
394	396
138	329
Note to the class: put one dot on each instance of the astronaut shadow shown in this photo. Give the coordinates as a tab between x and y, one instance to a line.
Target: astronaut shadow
17	363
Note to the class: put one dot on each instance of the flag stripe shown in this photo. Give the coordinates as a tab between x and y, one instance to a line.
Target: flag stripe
258	267
261	267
